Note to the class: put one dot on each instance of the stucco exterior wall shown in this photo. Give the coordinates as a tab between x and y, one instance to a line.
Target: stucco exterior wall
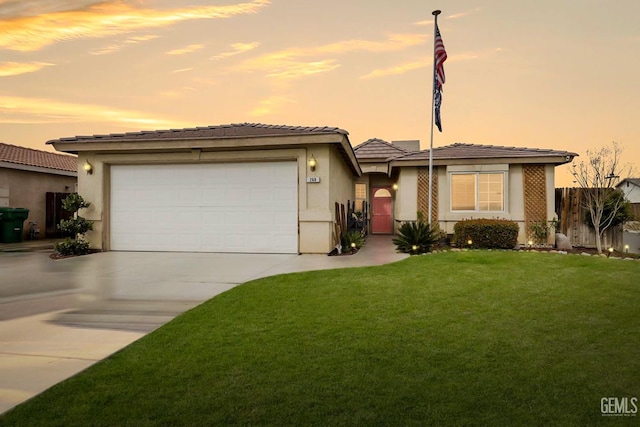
514	202
27	189
551	200
406	201
314	199
341	184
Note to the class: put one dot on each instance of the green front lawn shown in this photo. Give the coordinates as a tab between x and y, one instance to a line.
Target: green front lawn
468	338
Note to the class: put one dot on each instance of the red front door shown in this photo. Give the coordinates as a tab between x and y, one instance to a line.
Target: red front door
382	221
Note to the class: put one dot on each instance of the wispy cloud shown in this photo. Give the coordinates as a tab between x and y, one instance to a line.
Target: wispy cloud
393	42
295	70
119	46
270	105
237	48
15	109
426	62
16	68
295	63
186	49
105	19
458	15
398	69
20	8
182	70
464	14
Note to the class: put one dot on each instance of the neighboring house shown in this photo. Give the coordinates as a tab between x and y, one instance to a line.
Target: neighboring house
27	175
631	189
631	230
272	189
469	181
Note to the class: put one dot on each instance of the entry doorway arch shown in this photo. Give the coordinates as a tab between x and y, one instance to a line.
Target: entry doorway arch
382	211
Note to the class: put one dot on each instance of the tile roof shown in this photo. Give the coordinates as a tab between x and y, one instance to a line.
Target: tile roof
237	130
38	158
476	151
376	148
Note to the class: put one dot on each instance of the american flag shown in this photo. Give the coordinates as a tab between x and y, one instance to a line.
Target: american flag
440	55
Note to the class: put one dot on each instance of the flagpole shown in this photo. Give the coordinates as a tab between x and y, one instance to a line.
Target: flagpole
435	13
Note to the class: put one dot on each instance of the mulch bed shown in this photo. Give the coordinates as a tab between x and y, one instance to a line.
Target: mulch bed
582	250
56	255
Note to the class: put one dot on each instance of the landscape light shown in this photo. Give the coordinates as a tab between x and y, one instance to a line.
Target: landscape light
414	247
626	248
395	186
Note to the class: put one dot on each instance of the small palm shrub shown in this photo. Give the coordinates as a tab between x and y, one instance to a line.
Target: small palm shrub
352	240
415	237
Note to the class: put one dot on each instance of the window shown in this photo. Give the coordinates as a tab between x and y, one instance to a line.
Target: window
361	196
477	192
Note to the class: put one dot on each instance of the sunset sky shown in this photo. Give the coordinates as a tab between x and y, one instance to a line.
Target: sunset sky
562	74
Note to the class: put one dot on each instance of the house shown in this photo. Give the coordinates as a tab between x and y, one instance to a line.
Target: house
31	178
468	181
631	189
272	189
233	188
631	230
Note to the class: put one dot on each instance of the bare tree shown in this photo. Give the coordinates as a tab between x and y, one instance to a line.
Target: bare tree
597	178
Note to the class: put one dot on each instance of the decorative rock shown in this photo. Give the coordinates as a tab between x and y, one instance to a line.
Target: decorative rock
553	251
562	242
585	254
562	252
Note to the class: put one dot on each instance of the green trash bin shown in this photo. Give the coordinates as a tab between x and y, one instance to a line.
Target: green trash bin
12	223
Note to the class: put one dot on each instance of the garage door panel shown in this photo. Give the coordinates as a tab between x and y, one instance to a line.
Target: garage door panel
239	207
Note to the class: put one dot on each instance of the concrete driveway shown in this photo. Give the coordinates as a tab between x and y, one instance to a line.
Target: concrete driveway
112	299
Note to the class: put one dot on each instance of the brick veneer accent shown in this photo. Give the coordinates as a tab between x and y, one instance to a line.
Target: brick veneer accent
423	193
535	195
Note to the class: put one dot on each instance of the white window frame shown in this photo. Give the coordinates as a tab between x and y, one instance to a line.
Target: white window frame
477	191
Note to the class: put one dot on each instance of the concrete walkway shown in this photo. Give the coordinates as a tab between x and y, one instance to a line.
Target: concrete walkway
116	290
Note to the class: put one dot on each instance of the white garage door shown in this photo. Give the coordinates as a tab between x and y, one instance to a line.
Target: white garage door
231	207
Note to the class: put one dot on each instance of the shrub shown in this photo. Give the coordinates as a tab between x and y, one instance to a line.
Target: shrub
72	247
486	233
75	226
350	237
617	210
540	230
415	237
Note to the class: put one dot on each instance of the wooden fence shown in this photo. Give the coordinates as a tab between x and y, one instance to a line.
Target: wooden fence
571	221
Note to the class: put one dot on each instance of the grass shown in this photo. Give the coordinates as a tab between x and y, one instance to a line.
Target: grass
469	338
